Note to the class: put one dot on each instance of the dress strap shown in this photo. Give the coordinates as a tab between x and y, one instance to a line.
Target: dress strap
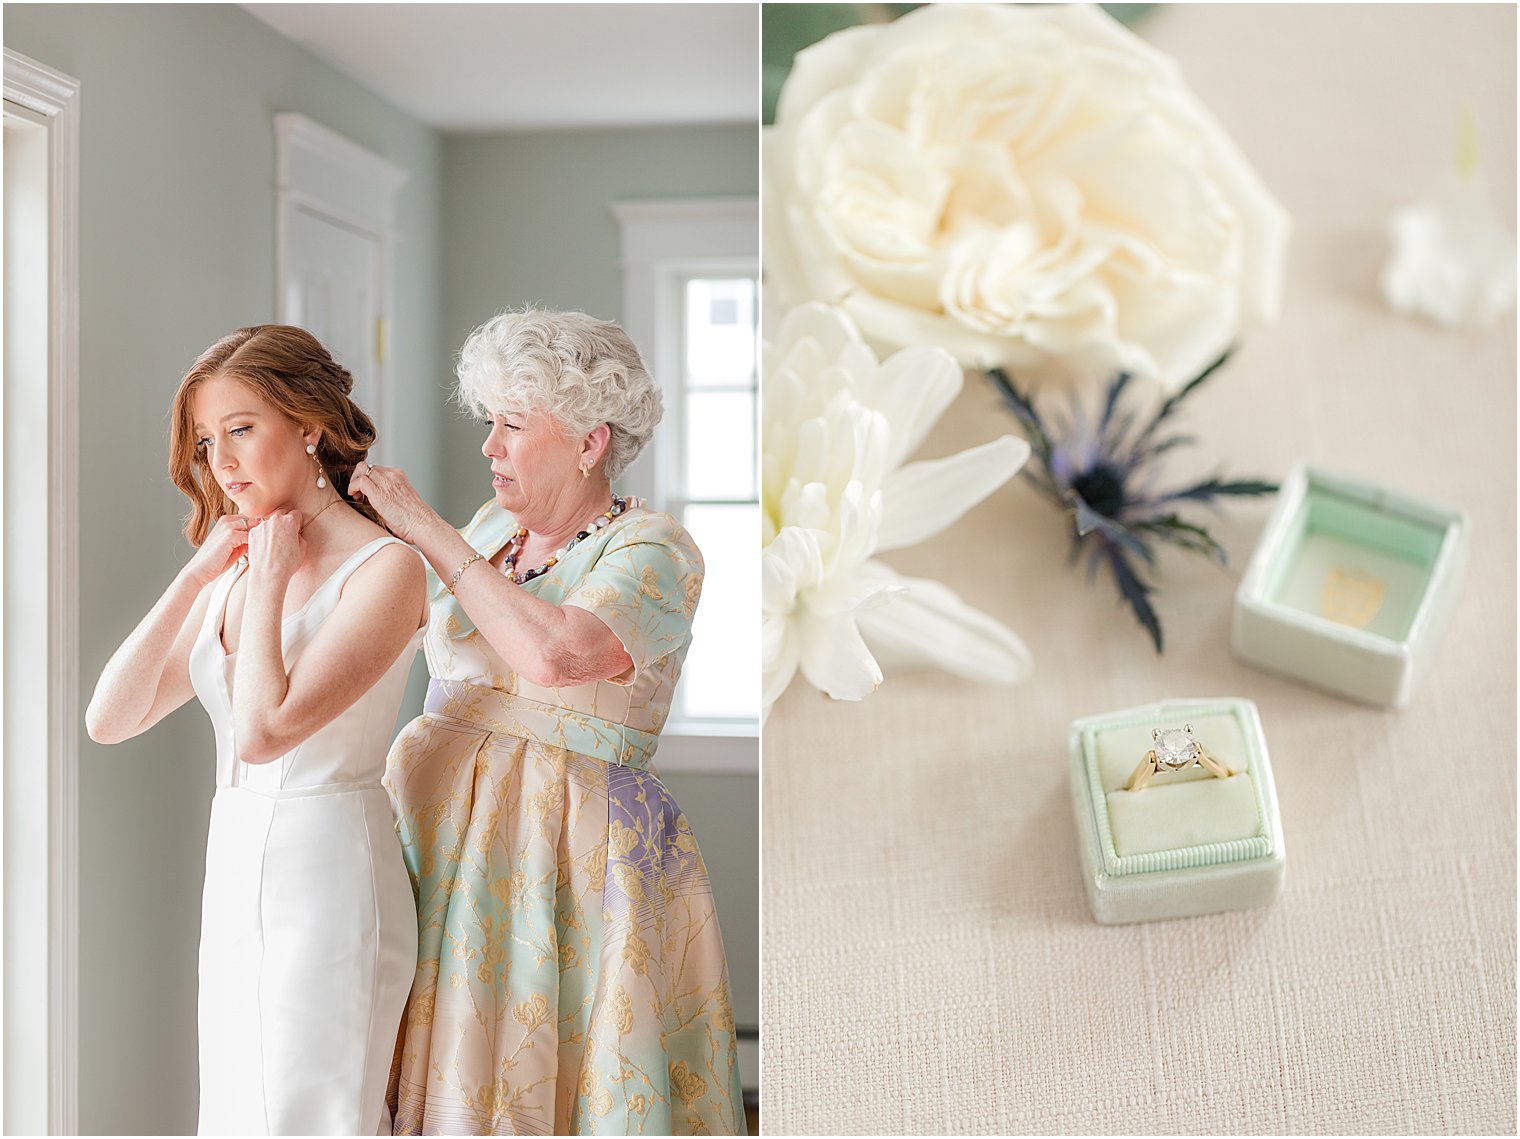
356	559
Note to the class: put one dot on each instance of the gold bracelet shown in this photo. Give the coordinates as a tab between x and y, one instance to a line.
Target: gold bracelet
464	565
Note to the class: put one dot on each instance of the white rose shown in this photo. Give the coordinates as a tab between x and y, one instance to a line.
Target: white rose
1028	187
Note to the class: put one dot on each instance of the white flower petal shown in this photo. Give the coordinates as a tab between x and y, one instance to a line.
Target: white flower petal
912	389
859	518
818	329
925	497
812	451
806	507
780	651
792	562
1453	260
929	625
835	660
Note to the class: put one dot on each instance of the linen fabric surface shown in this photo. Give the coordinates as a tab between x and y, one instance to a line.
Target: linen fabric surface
930	965
570	972
308	931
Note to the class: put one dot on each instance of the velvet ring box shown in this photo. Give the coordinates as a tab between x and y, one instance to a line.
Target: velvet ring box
1188	842
1349	586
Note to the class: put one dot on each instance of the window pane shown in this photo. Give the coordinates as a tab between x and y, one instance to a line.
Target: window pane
720	445
722	673
720	332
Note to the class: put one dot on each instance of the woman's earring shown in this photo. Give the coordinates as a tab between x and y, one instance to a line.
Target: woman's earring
311	449
585	472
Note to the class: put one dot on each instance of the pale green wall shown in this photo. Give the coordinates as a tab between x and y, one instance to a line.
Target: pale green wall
177	248
527	217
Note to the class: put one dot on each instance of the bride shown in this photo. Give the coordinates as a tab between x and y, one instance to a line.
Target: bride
295	624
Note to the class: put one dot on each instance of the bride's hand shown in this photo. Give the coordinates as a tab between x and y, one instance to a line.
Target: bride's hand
390	492
275	548
223	546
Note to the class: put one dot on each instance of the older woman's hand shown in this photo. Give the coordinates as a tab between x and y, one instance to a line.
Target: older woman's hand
392	495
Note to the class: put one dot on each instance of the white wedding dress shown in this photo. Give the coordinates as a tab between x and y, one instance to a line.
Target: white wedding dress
308	927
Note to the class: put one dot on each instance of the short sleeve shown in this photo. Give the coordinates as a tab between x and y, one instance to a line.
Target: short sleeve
644	586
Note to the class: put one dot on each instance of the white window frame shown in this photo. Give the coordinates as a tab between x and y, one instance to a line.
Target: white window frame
46	810
671	283
666	242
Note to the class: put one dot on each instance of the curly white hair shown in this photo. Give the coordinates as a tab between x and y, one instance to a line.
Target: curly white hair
581	370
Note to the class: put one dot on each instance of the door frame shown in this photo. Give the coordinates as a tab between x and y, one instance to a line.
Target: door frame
53	97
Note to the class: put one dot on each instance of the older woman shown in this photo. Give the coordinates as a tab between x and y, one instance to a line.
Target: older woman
570	974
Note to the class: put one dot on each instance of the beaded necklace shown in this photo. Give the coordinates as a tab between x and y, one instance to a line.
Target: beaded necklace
514	545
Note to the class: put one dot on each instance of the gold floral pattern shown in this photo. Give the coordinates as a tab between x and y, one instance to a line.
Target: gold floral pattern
688	1085
622	1011
641	575
533	1012
570	973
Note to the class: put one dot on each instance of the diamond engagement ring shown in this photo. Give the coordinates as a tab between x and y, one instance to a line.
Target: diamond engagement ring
1175	749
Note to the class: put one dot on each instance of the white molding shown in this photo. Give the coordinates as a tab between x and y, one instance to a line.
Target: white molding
55	96
657	231
324	164
321	172
332	213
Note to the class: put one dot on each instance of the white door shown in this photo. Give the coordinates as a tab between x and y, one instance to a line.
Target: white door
332	289
336	237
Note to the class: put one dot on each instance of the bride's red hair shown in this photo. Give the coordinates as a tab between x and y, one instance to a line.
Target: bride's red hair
295	375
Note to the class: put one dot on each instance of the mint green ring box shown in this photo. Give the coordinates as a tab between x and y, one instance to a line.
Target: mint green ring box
1349	586
1188	842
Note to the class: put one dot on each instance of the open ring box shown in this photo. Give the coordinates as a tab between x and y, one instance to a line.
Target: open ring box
1188	842
1349	586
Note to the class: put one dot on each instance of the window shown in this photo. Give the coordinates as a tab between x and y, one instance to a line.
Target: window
716	496
691	304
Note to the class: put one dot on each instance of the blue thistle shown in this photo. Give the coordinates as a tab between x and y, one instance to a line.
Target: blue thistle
1104	472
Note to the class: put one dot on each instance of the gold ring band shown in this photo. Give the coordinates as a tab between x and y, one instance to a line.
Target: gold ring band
1176	749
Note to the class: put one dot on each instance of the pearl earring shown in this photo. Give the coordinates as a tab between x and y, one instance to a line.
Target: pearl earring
311	449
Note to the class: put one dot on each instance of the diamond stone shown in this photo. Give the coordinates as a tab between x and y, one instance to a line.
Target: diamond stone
1175	748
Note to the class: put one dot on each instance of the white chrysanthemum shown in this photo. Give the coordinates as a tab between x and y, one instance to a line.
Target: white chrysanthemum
838	424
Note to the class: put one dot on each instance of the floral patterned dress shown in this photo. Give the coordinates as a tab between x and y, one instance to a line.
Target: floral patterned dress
570	973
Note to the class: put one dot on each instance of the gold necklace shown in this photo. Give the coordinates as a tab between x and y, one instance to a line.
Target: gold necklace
243	558
319	513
